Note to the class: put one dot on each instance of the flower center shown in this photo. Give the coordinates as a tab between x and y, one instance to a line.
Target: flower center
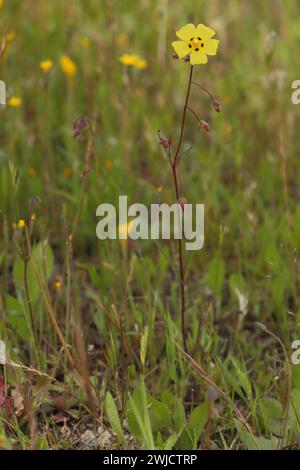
196	44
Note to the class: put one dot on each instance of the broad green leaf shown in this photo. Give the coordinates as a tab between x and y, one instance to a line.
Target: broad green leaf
16	312
113	416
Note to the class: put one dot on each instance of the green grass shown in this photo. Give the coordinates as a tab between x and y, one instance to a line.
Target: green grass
131	385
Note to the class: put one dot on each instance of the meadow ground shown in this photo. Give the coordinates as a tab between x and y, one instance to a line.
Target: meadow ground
92	329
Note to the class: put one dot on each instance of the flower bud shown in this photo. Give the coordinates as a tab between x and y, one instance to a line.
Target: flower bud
204	126
86	170
34	201
165	143
217	105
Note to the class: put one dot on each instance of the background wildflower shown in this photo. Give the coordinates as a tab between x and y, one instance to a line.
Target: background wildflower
58	285
68	67
15	101
133	60
46	65
21	224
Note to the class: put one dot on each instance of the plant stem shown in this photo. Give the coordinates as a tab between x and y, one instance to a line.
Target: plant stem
177	191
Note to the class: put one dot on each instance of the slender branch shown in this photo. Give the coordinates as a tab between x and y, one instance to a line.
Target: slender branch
184	115
177	192
204	89
195	114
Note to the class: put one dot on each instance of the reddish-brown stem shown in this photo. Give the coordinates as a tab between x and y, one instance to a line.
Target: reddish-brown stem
184	115
206	91
177	191
195	114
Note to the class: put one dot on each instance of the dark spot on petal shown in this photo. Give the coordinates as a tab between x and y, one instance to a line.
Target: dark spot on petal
197	49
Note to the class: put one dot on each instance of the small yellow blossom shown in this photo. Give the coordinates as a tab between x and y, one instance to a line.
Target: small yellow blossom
1	3
15	102
85	42
68	66
125	229
33	216
133	60
46	65
58	285
21	224
197	42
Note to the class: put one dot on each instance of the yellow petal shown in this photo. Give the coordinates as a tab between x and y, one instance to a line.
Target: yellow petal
187	32
204	32
198	57
211	46
181	48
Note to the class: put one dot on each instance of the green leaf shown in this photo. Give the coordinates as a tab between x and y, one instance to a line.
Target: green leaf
113	416
198	420
273	412
215	275
160	415
16	313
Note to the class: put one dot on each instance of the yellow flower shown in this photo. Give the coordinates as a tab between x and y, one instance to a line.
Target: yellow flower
196	42
1	3
133	60
21	224
85	42
68	66
57	285
46	65
125	229
128	59
15	102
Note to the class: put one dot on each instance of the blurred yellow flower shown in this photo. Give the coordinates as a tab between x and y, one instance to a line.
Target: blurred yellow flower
46	65
21	224
133	60
58	285
68	67
85	42
1	3
124	229
196	42
33	216
15	102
